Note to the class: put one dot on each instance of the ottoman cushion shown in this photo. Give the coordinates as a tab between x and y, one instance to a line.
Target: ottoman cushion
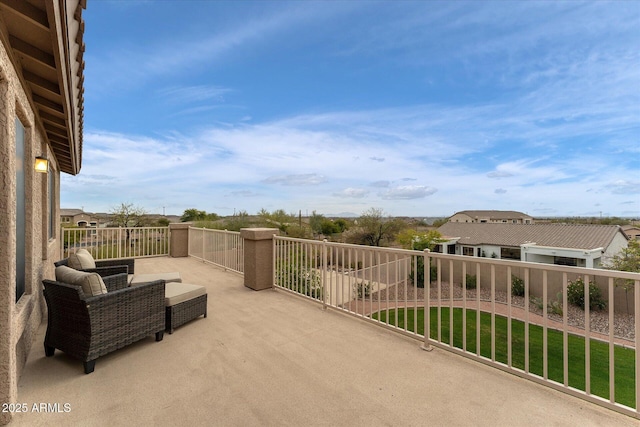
137	279
175	293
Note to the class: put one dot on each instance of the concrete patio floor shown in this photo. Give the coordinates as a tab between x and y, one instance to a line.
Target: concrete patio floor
270	358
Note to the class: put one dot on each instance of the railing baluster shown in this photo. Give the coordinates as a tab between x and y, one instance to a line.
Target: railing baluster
493	312
565	330
464	306
451	325
587	336
545	348
612	357
526	320
439	299
509	314
478	311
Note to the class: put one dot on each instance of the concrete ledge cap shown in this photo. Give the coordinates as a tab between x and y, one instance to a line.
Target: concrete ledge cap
258	233
180	225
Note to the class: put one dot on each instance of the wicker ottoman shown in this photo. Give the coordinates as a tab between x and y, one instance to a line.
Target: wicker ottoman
183	302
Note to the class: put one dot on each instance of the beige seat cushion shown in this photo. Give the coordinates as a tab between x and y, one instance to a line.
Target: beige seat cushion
175	293
91	283
136	279
81	259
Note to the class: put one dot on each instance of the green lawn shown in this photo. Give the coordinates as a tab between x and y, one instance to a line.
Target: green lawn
599	354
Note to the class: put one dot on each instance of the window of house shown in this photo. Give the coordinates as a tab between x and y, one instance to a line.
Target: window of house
561	260
451	249
437	248
21	212
467	250
510	253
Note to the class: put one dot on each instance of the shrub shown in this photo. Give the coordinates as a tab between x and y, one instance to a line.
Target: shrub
553	306
363	289
471	281
433	271
517	286
575	295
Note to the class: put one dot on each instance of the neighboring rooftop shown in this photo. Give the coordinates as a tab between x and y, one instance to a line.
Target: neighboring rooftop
490	216
72	212
575	236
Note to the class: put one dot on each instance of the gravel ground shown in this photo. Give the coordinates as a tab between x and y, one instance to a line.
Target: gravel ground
623	323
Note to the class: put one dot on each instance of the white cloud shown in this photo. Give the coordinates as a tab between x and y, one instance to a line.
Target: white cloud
624	186
354	193
191	94
408	192
296	180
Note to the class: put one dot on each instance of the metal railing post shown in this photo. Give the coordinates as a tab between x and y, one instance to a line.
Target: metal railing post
426	345
119	240
224	253
324	274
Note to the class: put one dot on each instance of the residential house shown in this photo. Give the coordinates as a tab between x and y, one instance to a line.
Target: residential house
580	245
632	231
496	217
77	218
41	119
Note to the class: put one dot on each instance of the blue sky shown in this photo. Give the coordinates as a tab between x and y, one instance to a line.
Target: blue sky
418	108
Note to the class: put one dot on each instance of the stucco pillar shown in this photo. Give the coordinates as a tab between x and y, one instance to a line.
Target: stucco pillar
258	257
179	235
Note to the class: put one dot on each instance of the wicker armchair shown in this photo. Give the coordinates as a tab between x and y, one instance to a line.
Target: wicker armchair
107	267
89	327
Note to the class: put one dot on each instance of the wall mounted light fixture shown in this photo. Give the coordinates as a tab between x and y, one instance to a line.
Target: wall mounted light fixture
42	164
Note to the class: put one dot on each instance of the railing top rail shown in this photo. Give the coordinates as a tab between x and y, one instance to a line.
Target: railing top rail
396	251
214	230
160	227
539	266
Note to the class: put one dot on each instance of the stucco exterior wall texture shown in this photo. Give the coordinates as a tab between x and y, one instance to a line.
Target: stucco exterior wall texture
19	321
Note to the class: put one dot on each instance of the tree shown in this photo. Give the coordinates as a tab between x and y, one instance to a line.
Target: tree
440	222
128	215
278	218
315	222
193	214
628	259
237	221
374	228
411	239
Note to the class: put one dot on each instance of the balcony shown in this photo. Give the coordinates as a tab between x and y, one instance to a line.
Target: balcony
273	358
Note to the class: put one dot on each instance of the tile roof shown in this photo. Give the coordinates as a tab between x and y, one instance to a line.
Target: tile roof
71	212
575	236
494	214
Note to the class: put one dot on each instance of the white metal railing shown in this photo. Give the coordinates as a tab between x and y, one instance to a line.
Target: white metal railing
219	247
116	242
539	335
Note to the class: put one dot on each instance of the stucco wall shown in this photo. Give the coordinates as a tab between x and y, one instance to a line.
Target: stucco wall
19	321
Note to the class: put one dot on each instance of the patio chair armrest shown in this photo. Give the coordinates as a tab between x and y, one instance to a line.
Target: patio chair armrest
129	262
134	295
116	282
108	271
